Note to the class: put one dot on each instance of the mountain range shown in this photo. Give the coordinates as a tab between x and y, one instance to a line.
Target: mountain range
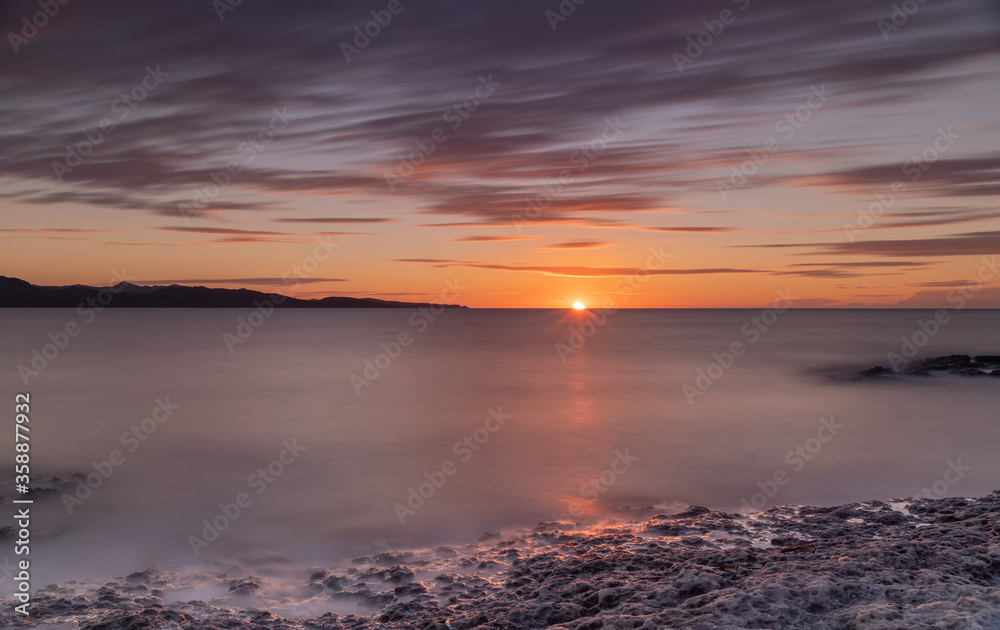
16	293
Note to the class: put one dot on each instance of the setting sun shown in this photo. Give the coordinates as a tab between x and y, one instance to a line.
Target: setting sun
579	306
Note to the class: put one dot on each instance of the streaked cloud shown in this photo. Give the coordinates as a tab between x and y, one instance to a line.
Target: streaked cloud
577	271
236	281
494	238
579	245
334	220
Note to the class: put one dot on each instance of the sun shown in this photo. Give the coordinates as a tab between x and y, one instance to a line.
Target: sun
579	306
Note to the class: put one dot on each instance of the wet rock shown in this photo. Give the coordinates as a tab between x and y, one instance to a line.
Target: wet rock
379	600
388	559
413	588
863	566
141	577
403	611
878	370
891	518
395	574
959	364
336	583
245	587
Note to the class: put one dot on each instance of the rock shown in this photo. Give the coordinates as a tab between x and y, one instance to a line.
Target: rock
863	566
245	587
878	370
336	583
959	364
413	588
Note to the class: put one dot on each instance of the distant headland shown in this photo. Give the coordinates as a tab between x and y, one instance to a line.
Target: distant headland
16	293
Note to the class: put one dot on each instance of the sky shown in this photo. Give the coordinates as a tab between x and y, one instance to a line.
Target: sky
531	153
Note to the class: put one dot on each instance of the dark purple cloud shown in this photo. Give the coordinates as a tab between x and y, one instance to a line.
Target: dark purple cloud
354	121
967	244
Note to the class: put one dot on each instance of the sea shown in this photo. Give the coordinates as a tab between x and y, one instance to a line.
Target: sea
200	437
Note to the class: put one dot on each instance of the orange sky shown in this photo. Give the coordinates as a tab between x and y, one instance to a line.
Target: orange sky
846	165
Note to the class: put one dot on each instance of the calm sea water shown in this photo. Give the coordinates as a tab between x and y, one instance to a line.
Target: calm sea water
609	427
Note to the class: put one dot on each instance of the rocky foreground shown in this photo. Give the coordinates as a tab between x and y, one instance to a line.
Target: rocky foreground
928	563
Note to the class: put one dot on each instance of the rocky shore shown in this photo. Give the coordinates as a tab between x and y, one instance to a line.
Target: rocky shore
925	563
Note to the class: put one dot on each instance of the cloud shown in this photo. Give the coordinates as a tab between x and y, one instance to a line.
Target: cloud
967	244
215	230
848	269
833	273
236	281
355	121
815	302
694	229
921	220
50	230
575	271
234	235
494	238
334	220
986	297
945	177
933	218
578	245
943	283
867	263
